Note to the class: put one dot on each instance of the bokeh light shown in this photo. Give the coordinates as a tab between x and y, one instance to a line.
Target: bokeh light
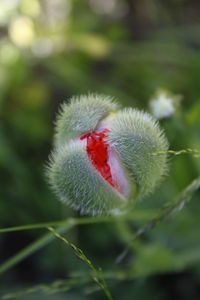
21	31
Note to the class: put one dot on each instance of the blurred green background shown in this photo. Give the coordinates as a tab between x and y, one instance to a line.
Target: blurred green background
53	49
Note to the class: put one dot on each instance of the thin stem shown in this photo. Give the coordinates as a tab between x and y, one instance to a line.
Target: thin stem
97	276
32	248
168	210
138	215
194	152
57	286
63	227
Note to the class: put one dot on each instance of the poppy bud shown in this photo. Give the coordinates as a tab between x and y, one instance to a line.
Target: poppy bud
104	158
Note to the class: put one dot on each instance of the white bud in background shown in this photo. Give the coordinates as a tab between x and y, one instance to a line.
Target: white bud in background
163	104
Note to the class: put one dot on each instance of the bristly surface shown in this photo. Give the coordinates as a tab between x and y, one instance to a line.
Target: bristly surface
136	137
134	155
77	183
82	115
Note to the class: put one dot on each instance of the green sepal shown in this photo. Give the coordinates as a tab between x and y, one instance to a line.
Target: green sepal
141	147
82	115
77	183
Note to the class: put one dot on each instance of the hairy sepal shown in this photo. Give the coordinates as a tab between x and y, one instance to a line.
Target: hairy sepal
141	147
82	115
78	184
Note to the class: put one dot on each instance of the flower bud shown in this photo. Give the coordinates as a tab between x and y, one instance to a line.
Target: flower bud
105	158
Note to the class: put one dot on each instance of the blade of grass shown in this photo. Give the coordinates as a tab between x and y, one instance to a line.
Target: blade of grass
97	275
167	211
57	286
32	248
63	227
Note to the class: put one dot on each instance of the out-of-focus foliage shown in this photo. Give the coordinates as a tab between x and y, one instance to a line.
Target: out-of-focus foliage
53	49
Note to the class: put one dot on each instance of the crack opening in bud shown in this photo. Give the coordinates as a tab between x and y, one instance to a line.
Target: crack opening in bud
104	159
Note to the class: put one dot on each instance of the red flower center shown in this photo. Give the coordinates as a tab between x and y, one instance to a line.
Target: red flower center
97	150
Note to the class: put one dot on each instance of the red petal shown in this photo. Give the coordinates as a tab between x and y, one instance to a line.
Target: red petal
97	150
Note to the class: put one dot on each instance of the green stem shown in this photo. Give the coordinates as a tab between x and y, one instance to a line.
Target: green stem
32	248
137	215
167	211
97	276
